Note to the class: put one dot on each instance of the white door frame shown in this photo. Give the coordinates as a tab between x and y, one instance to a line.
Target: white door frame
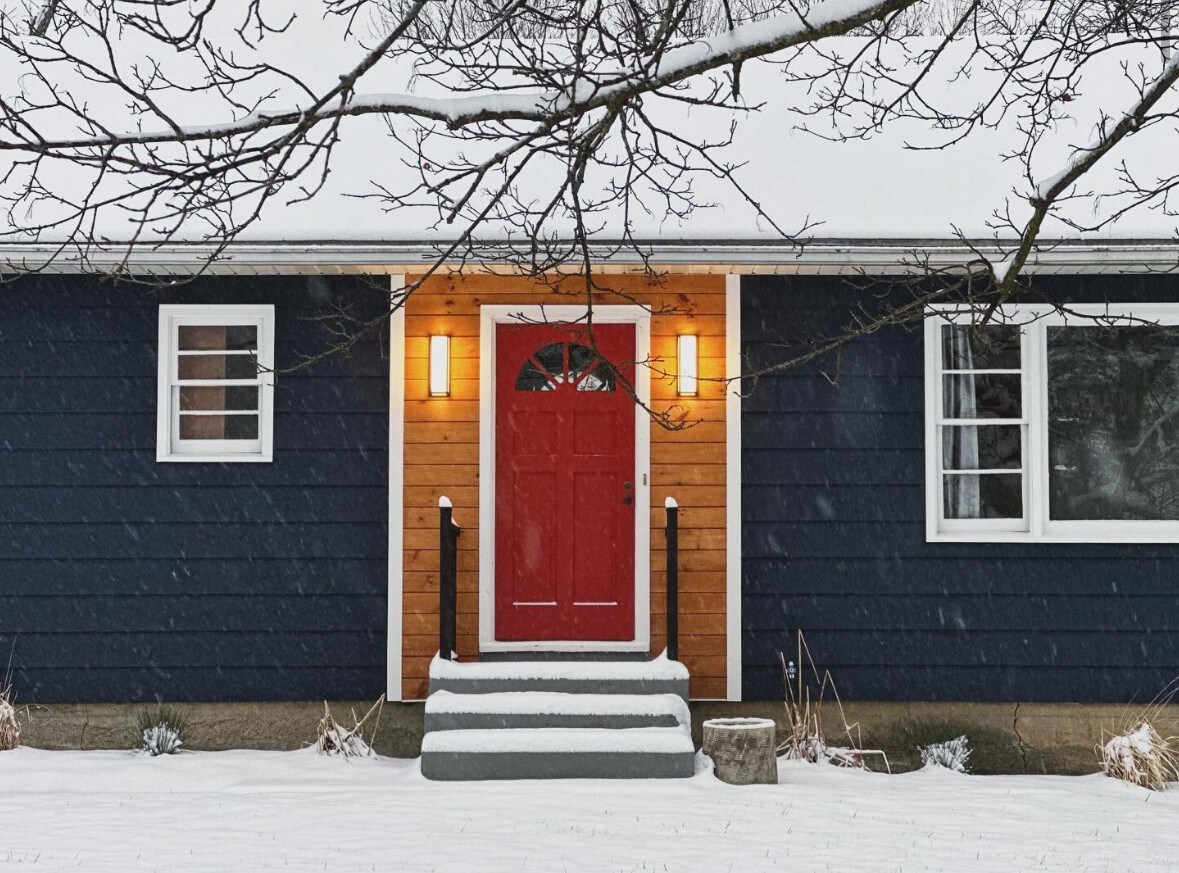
489	317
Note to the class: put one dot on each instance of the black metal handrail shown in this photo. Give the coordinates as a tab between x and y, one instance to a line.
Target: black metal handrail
673	578
448	534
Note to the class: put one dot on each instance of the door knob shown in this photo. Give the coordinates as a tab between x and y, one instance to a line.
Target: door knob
627	499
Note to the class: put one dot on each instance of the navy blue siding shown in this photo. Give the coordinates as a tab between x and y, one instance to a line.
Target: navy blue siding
122	579
834	534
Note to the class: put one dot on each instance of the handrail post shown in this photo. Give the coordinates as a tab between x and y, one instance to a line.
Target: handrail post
448	534
673	578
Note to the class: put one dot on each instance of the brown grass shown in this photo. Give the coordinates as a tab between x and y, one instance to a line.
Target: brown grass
1139	752
804	737
9	723
354	742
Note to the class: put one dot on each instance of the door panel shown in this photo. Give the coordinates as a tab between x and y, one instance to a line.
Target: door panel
564	487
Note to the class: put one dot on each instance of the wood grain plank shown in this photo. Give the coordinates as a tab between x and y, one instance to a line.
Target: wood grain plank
442	454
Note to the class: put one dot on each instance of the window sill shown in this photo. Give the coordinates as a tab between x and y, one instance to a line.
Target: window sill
215	459
1145	538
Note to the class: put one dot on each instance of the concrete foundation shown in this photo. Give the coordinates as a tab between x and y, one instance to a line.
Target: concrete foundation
217	726
1005	737
1057	738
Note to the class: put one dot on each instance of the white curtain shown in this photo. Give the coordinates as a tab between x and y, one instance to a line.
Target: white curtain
961	443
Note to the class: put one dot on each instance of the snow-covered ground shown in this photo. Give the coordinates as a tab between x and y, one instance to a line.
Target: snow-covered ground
248	811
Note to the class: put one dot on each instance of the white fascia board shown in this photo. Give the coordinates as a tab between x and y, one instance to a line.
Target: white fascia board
877	257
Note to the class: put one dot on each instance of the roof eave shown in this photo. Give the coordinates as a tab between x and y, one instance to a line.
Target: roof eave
819	257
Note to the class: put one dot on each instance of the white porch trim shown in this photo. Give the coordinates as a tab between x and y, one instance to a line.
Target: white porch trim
395	607
733	487
489	317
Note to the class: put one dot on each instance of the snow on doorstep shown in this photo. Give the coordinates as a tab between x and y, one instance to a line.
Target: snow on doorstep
554	703
625	741
212	812
660	668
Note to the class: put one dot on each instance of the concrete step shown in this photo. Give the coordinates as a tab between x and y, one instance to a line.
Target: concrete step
558	753
537	709
657	676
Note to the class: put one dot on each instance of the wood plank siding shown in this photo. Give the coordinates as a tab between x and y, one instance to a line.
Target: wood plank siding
442	457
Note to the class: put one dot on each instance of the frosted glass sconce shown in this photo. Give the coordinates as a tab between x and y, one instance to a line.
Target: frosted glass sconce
688	366
439	366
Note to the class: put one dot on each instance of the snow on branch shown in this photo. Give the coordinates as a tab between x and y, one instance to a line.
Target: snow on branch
548	137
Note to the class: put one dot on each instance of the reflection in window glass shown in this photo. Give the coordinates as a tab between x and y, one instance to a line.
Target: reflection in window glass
532	378
993	347
983	496
990	447
547	369
971	395
1113	422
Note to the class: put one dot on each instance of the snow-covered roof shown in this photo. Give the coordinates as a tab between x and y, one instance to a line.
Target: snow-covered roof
866	199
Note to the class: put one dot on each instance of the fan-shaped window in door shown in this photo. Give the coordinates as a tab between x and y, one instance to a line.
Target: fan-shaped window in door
565	364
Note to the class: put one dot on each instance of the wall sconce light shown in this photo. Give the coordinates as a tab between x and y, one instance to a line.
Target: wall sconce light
688	366
439	366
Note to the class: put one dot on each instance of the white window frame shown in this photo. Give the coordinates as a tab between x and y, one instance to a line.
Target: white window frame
169	447
1035	526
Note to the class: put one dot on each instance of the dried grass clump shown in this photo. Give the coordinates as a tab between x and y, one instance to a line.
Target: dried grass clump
1139	753
354	742
9	723
160	731
804	740
952	755
1141	756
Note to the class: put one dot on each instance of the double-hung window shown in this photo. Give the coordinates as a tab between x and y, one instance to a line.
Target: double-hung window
216	394
1050	425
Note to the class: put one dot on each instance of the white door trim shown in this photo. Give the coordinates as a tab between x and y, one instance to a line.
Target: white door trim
393	689
489	317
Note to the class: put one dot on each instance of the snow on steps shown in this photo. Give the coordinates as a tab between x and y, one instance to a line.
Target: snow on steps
539	709
558	753
558	719
657	676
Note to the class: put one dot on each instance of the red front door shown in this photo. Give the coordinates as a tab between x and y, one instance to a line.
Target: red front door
564	483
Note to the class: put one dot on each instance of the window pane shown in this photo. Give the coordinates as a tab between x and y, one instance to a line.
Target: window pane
601	378
532	378
218	367
994	347
1113	429
585	365
988	396
218	427
203	337
985	496
989	447
552	358
212	397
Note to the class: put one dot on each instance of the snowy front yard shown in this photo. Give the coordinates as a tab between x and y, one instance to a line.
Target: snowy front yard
228	811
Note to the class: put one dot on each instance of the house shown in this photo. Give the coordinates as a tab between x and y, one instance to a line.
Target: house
277	539
201	506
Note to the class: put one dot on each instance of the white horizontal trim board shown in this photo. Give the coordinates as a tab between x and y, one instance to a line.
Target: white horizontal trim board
833	257
1036	525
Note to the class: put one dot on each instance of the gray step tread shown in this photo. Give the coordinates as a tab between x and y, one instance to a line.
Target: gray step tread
561	741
